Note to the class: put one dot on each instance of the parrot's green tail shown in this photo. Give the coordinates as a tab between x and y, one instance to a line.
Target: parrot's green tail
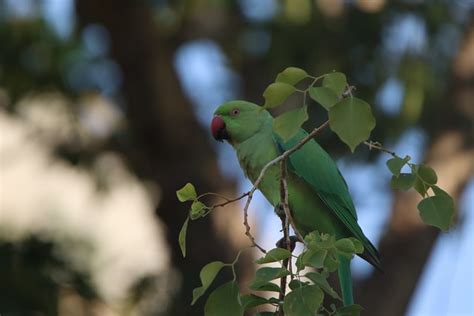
345	280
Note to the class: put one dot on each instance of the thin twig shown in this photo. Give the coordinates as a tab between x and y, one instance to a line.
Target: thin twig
228	201
284	202
283	156
246	223
348	91
287	153
264	170
378	146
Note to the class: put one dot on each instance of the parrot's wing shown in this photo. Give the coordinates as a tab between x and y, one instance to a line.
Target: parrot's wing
316	167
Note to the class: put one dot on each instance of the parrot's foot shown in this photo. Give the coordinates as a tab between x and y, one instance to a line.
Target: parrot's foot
280	211
282	243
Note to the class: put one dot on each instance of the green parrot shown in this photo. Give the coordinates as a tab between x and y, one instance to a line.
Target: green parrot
318	195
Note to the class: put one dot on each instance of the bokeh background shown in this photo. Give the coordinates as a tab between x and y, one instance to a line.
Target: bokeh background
104	113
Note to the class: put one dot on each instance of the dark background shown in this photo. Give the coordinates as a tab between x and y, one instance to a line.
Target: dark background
104	109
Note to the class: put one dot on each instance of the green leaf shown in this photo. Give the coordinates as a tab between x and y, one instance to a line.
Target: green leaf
331	263
186	193
303	301
403	182
352	120
437	211
427	174
291	75
299	262
350	310
321	281
336	81
269	286
197	209
274	255
182	237
276	93
359	248
314	258
225	300
345	245
266	274
208	274
251	300
324	96
439	192
421	186
396	164
296	284
287	124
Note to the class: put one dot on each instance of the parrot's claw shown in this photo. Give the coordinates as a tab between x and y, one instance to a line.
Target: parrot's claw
282	243
280	211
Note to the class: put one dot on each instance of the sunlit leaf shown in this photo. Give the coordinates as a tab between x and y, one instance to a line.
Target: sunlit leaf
331	263
336	81
437	211
314	258
186	193
287	124
208	274
345	245
266	274
276	94
303	301
352	120
321	281
291	75
182	237
197	209
274	255
225	300
324	96
359	248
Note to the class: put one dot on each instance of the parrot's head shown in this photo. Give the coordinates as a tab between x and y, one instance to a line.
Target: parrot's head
236	121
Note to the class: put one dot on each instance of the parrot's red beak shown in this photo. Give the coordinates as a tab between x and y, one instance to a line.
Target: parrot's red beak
218	128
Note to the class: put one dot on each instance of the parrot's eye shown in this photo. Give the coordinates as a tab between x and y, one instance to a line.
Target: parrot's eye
234	112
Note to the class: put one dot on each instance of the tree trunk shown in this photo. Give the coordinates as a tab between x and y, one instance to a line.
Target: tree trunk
167	145
407	245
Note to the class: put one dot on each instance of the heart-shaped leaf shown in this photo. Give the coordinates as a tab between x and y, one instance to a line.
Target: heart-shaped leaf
352	120
287	124
291	75
208	274
225	300
276	93
186	193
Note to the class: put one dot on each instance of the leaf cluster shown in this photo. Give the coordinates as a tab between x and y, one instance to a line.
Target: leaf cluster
349	117
198	209
436	209
307	287
352	120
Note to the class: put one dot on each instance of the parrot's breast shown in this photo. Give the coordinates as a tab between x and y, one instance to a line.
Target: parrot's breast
309	212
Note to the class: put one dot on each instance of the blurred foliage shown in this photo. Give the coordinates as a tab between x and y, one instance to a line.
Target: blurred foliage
32	274
354	37
33	58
